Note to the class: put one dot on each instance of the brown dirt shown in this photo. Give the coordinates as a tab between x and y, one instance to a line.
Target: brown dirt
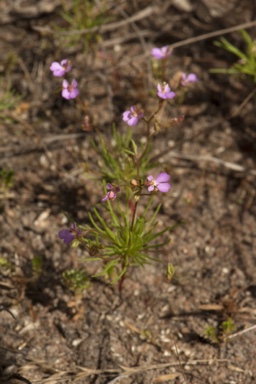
155	328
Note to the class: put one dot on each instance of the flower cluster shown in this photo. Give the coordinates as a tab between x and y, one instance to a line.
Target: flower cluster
164	91
69	90
160	183
163	53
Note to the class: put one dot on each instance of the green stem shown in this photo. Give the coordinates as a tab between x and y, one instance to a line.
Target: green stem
134	215
121	282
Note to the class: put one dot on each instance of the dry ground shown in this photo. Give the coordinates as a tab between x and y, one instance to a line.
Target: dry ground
155	328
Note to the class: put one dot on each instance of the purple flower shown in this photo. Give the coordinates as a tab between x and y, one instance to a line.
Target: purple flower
69	91
132	116
68	235
164	91
59	69
111	195
161	53
161	183
186	79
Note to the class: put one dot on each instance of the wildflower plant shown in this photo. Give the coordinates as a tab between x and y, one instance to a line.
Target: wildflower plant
80	15
9	100
123	230
77	280
246	64
119	158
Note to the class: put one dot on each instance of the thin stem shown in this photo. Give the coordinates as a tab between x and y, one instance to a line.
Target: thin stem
134	215
121	281
163	68
148	121
160	104
124	265
81	104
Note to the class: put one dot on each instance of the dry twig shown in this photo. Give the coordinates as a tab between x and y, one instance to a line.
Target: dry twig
226	164
146	12
242	332
121	372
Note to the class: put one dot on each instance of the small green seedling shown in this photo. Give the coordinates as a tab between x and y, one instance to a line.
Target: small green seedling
76	280
219	333
6	179
83	14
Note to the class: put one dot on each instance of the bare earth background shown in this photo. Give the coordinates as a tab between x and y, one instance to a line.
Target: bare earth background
153	332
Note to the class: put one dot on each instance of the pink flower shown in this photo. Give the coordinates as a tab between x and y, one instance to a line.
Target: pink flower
186	79
111	195
161	53
161	183
164	91
59	69
132	116
69	91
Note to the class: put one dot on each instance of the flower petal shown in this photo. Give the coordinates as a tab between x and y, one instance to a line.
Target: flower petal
73	227
74	83
163	187
162	177
170	95
126	115
73	94
55	66
161	53
132	121
65	94
192	78
106	197
65	83
66	236
156	52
